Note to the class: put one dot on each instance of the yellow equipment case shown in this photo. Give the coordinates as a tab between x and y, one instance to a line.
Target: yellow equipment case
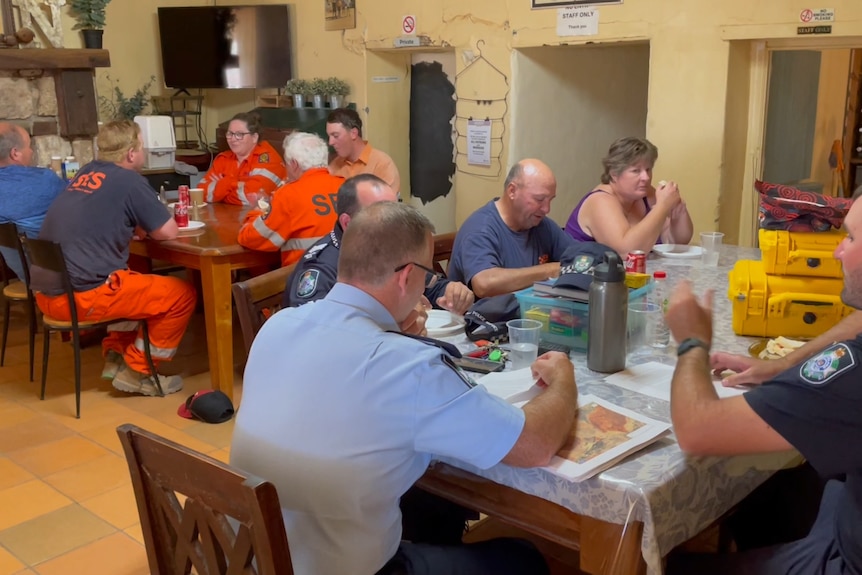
792	306
801	253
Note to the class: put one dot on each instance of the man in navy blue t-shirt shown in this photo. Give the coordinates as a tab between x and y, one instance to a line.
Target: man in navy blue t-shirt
510	242
814	407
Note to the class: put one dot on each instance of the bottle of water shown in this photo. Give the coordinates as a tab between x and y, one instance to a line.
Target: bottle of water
660	296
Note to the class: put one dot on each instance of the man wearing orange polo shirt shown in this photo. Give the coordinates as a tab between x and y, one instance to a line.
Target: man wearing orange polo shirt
354	155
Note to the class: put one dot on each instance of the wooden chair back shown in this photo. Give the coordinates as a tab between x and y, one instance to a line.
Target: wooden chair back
257	299
48	264
197	534
443	251
11	238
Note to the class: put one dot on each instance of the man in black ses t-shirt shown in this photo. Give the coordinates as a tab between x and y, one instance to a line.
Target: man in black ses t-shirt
814	407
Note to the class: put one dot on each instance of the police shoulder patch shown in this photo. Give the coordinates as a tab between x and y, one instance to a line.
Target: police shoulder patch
828	364
461	373
264	157
307	283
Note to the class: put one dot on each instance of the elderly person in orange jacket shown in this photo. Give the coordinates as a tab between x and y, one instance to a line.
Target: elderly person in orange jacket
302	210
252	169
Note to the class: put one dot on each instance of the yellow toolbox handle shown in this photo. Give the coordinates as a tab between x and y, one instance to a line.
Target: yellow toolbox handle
779	302
808	254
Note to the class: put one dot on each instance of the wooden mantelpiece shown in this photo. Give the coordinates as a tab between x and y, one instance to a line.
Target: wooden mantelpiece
73	71
53	59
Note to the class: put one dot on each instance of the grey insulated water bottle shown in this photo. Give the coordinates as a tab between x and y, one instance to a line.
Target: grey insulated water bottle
606	341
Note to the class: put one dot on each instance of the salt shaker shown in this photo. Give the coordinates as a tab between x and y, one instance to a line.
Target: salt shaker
608	308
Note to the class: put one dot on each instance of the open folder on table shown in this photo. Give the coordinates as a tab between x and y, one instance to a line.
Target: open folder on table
603	433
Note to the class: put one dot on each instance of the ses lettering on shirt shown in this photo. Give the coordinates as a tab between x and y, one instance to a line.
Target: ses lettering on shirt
325	204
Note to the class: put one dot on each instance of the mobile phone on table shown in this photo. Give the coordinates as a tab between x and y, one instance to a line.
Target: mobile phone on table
478	365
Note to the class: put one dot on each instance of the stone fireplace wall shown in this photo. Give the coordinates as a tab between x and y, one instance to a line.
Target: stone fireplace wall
32	104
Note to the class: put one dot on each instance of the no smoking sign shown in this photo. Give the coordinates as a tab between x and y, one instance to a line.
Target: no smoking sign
408	24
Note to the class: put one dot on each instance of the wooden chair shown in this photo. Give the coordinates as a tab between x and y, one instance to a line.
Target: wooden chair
443	251
46	259
257	299
197	534
16	291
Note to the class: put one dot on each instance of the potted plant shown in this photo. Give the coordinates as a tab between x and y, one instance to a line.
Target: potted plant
336	90
120	107
317	88
298	89
90	15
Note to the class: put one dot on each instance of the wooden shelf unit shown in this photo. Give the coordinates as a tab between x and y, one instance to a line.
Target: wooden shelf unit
186	113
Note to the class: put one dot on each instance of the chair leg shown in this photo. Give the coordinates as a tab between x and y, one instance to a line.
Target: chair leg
46	343
76	342
146	333
5	332
31	308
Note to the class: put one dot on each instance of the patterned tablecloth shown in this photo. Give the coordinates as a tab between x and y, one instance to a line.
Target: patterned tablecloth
674	495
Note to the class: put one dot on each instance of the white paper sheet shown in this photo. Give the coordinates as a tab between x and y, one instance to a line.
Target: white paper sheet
654	379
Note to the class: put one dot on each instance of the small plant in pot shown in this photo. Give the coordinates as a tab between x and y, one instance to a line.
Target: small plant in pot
90	15
121	107
298	89
317	88
336	90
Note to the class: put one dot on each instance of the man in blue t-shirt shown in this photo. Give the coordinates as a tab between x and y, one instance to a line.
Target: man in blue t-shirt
25	191
510	242
814	407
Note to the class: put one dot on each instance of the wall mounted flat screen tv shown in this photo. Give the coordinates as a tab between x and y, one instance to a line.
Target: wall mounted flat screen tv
225	46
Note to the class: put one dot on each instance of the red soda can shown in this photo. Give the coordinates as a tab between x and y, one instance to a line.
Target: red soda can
636	262
181	208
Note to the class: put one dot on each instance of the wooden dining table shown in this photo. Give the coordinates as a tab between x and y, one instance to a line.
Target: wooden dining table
213	251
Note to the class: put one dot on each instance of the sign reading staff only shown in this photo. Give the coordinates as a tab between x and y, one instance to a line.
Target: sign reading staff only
577	21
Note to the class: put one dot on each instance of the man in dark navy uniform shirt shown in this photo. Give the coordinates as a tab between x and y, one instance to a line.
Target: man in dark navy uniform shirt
814	407
316	271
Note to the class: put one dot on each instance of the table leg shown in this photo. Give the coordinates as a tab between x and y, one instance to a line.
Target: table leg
215	284
607	550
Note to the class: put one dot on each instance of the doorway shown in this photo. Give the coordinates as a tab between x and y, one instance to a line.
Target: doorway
570	103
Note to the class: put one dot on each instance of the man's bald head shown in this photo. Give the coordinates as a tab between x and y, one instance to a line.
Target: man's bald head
529	188
14	145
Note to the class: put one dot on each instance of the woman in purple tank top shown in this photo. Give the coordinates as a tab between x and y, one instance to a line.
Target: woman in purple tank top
626	212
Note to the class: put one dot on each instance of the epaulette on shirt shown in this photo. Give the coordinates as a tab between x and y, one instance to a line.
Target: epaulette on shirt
314	251
444	345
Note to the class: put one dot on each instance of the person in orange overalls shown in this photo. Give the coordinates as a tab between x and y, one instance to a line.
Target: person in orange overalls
94	221
303	210
249	171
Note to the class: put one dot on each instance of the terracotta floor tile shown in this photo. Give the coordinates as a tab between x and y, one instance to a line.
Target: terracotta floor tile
117	507
37	431
53	534
8	563
14	414
135	533
90	479
28	500
12	474
116	554
52	457
217	434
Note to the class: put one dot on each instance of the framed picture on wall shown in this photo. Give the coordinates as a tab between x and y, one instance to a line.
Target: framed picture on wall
339	14
562	3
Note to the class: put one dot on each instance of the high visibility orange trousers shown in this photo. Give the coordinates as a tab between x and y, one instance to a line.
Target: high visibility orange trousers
166	303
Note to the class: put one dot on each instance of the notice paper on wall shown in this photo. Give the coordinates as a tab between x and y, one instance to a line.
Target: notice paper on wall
577	21
479	142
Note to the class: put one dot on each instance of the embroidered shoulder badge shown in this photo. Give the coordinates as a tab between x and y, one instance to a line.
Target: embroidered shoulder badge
828	364
307	283
264	157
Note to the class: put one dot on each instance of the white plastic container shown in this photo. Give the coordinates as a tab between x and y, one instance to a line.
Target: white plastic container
160	145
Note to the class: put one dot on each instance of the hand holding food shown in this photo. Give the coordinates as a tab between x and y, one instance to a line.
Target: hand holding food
779	347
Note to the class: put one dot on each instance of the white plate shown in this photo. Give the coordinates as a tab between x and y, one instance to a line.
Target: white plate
441	323
677	251
193	225
172	204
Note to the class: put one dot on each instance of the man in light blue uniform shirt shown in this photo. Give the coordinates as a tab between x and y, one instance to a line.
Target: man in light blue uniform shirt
346	417
25	191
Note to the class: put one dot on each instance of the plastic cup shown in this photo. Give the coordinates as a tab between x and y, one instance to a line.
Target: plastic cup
641	325
711	244
523	341
196	196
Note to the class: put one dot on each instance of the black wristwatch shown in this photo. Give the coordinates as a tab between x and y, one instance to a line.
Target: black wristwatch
689	344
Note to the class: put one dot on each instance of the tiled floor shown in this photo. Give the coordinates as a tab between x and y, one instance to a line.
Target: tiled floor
66	501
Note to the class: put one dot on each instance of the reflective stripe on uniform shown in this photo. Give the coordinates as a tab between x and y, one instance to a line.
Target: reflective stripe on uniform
123	326
267	233
266	174
157	352
299	244
211	191
240	193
